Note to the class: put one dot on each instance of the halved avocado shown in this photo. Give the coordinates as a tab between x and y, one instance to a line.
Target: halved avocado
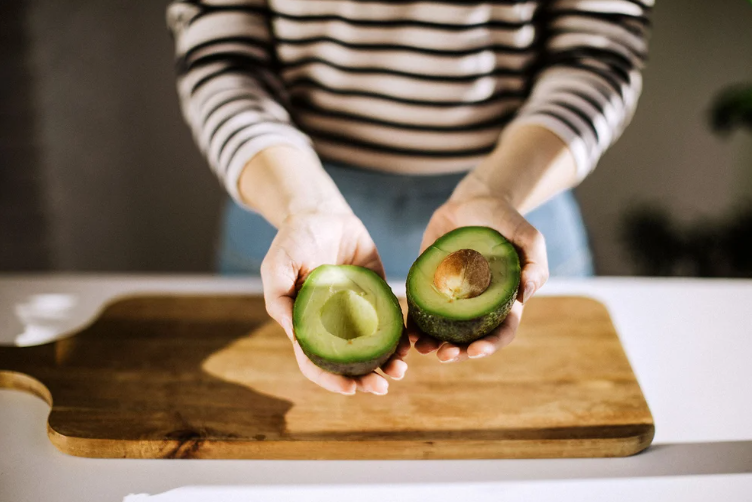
464	285
347	320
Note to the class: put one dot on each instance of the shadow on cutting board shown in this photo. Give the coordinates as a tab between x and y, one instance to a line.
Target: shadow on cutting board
134	376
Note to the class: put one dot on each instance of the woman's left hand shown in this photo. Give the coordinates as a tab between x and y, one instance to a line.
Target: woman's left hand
497	213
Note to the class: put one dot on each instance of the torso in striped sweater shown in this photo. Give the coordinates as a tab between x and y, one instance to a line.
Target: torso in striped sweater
415	87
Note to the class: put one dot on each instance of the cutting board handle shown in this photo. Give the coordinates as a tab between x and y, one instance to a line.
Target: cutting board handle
18	365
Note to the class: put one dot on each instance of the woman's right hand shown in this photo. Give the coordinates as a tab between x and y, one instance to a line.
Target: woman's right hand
303	242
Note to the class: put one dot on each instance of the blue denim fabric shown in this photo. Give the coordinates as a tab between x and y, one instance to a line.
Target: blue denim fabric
395	209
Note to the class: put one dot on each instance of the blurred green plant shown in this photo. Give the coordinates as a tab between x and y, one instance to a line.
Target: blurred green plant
732	109
659	246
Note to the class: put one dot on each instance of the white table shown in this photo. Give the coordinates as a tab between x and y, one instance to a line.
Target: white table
689	341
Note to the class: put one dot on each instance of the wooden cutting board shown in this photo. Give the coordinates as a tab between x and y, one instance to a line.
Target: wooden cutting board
213	377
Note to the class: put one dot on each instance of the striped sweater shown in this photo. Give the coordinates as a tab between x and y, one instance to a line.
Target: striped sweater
404	86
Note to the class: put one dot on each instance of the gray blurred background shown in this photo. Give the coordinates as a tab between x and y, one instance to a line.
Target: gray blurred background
99	173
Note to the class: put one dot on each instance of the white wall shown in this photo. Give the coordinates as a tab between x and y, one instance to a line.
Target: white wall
129	190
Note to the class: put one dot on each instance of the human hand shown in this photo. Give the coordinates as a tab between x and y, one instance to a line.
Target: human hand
497	213
303	242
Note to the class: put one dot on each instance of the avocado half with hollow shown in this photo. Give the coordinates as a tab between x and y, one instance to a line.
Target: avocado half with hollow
464	285
347	320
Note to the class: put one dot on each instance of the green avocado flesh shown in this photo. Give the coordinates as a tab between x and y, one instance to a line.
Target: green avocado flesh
464	320
347	320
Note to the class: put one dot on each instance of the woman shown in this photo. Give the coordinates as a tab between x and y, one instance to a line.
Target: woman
342	126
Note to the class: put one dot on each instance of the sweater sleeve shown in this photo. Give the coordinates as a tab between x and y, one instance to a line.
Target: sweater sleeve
230	94
589	79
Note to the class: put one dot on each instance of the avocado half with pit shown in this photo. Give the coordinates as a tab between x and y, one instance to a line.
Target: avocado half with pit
464	285
347	320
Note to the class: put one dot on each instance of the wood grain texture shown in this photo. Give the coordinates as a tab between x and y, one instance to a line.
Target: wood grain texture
213	377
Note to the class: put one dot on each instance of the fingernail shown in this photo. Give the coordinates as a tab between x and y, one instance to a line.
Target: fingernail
379	393
477	356
351	393
401	368
453	353
528	291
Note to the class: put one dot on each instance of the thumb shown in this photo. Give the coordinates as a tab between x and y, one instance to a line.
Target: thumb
531	246
434	230
278	280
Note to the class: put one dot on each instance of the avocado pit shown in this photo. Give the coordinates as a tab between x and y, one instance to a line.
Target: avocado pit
463	274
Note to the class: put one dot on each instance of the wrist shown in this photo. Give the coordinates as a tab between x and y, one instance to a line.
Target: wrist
315	209
529	166
476	186
282	181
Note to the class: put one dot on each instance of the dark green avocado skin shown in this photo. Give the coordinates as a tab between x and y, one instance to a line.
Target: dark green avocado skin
350	369
461	332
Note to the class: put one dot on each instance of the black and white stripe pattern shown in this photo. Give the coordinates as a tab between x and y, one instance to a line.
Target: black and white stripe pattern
405	86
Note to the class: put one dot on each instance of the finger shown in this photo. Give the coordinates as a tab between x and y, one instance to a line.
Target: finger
278	276
395	367
433	231
373	383
280	309
377	266
532	247
373	262
500	337
427	344
403	349
451	353
329	381
461	357
413	333
366	255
